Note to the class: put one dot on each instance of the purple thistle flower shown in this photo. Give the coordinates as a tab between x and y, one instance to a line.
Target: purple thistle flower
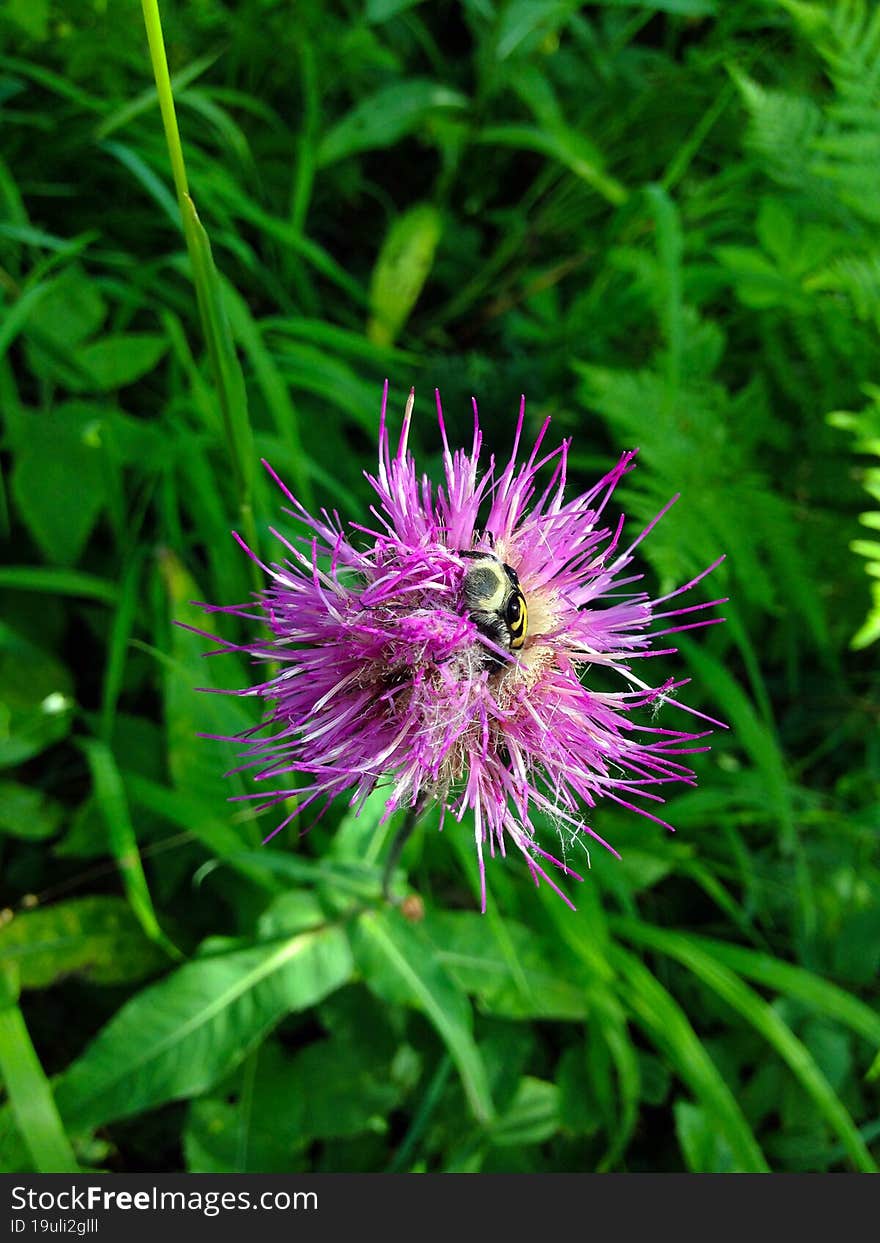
448	655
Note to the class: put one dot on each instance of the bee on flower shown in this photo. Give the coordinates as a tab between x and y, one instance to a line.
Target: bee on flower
457	648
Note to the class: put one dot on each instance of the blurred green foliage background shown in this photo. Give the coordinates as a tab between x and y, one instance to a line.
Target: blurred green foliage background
660	222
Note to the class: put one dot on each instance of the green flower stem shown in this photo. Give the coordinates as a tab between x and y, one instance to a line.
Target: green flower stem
228	380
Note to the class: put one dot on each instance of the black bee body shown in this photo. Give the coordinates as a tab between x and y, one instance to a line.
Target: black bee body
494	600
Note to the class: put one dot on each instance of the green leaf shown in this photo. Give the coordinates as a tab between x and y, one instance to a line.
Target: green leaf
58	479
110	799
29	1092
401	269
704	1149
228	378
377	11
266	372
71	310
342	1090
400	965
534	985
766	1022
180	1036
682	8
96	938
569	147
382	119
792	981
36	705
319	371
579	1111
532	1116
197	765
32	16
27	812
120	359
52	581
667	1025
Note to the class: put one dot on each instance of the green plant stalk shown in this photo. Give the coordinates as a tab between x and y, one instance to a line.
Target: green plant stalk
29	1093
228	380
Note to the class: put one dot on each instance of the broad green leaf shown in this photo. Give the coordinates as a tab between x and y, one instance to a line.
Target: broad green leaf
180	1036
223	1136
532	1116
579	1111
382	119
524	23
289	913
319	371
86	836
342	1090
27	812
542	986
71	310
58	480
758	282
332	1088
337	878
360	836
400	964
97	938
120	359
32	16
35	699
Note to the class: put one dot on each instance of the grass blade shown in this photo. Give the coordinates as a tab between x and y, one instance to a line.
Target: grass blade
667	1025
110	796
29	1093
766	1021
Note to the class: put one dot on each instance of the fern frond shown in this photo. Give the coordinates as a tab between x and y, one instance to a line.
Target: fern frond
864	425
857	277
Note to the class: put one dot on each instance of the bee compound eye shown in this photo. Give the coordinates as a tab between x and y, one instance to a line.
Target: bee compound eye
514	610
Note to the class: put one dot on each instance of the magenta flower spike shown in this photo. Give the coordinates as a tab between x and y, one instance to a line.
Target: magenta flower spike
446	651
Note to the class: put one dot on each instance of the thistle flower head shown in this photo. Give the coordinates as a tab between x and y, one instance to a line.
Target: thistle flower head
472	645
